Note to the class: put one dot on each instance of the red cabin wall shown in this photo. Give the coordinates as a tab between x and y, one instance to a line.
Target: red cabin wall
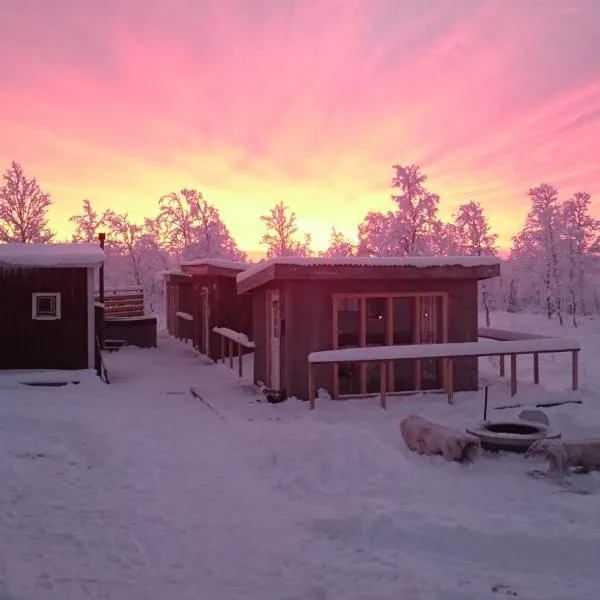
31	344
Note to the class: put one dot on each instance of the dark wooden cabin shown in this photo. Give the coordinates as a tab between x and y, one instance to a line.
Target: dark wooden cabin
205	290
178	301
306	305
47	315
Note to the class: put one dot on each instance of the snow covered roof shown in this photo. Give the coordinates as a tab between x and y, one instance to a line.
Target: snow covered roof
216	262
203	265
50	255
266	269
166	272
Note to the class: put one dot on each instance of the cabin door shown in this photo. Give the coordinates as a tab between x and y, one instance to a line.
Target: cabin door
205	322
274	340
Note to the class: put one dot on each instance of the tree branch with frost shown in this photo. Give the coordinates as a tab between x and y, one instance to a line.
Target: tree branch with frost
23	208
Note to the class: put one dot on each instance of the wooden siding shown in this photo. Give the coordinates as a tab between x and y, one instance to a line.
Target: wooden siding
307	310
54	344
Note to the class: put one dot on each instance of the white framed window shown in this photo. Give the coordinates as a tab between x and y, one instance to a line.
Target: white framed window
45	307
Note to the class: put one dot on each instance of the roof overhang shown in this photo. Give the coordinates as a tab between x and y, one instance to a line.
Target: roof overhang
368	269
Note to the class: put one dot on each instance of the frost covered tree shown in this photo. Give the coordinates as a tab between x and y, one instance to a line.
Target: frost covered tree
417	208
123	239
580	230
411	228
475	238
23	208
88	224
339	245
537	248
280	234
193	228
375	235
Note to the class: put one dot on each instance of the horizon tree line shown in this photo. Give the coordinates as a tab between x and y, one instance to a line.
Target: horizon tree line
552	264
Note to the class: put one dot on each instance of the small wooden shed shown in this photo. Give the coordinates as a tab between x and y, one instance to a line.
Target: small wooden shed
47	312
204	293
306	305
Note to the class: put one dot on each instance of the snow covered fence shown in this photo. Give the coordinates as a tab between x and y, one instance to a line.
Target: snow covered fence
123	302
229	337
384	355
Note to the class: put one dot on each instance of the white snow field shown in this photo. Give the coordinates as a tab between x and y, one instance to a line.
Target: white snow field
137	490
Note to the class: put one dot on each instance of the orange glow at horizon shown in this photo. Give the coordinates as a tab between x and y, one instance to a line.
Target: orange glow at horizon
309	103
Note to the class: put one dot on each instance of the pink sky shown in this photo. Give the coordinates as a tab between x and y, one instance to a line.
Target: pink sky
306	101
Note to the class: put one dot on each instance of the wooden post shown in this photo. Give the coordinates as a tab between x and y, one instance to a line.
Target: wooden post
240	361
383	383
502	368
230	353
450	379
311	395
575	369
513	374
536	367
222	349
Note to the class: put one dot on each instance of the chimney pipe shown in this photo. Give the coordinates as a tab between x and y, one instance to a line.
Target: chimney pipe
101	239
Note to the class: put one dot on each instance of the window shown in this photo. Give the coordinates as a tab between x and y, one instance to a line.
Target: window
389	319
45	307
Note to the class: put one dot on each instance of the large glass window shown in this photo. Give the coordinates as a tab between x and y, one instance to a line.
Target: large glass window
403	332
348	336
376	327
383	320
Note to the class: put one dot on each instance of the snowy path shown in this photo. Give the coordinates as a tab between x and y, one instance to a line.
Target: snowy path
136	490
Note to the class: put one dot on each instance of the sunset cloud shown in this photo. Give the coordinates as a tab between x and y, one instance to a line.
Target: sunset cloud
256	101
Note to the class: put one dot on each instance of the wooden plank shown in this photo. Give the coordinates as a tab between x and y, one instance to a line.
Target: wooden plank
311	390
383	383
513	374
363	342
536	367
335	346
450	379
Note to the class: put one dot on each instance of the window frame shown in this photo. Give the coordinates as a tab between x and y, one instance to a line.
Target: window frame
388	296
36	316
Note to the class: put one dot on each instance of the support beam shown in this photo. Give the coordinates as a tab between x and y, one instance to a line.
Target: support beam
450	379
383	383
311	391
575	369
513	374
536	368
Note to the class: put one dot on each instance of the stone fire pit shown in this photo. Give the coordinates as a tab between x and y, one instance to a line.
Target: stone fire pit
511	436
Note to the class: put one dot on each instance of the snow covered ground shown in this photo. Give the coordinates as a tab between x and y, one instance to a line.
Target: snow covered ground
138	490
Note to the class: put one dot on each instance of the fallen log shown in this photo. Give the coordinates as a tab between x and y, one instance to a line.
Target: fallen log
427	438
563	455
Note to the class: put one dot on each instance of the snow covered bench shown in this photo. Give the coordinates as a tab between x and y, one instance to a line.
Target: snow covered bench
230	337
384	355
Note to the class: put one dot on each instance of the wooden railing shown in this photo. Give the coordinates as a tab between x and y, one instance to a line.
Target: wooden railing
184	326
229	338
123	302
385	355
